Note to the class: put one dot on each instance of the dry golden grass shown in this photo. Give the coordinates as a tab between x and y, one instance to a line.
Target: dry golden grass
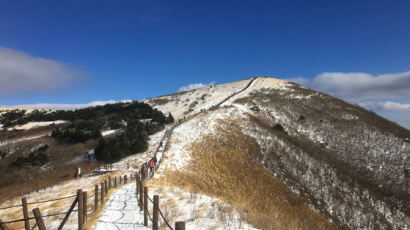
224	166
42	180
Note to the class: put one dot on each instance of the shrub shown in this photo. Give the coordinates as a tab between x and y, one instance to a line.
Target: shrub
34	159
132	141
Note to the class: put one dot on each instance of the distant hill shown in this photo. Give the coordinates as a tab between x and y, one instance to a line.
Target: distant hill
49	144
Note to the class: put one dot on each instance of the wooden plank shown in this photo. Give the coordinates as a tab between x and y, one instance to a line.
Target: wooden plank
25	213
102	193
145	206
155	213
179	225
96	197
68	214
3	226
141	195
85	207
80	209
39	219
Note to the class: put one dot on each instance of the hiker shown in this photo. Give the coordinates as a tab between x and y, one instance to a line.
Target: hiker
144	171
151	165
155	162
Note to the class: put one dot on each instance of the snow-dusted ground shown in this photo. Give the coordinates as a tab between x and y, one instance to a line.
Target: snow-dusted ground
32	125
121	207
197	100
197	211
70	187
13	141
108	132
121	211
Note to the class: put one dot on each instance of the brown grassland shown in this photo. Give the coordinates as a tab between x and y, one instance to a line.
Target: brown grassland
224	166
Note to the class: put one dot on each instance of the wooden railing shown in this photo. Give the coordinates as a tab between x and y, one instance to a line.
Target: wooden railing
80	201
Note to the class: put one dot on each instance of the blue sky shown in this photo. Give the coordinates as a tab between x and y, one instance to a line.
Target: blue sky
78	51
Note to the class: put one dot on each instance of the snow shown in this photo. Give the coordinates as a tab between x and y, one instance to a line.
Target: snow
121	211
70	187
109	132
22	139
197	100
31	125
198	211
177	155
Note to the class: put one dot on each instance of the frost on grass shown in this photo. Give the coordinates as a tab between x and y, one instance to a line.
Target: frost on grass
224	165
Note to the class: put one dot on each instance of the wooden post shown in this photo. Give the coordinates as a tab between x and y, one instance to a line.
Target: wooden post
3	226
25	214
102	193
120	179
125	179
85	208
109	182
155	213
39	219
137	190
68	214
145	206
115	181
141	195
105	186
96	197
80	209
179	225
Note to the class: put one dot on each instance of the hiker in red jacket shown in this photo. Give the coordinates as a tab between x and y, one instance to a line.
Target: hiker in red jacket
151	165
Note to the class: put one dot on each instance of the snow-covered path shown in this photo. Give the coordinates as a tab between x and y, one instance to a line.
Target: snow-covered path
121	211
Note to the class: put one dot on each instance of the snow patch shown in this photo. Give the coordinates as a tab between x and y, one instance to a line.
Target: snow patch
32	125
109	132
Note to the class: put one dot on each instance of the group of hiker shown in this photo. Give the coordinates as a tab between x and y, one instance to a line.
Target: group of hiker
148	168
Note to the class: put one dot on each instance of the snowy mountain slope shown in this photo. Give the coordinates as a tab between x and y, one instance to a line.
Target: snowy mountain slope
345	162
192	102
273	156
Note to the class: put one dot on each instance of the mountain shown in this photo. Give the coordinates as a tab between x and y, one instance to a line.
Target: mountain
328	163
261	153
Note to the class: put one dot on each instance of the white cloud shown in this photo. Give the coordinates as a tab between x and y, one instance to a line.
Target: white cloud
23	73
375	92
360	85
363	85
67	106
386	106
390	105
194	86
